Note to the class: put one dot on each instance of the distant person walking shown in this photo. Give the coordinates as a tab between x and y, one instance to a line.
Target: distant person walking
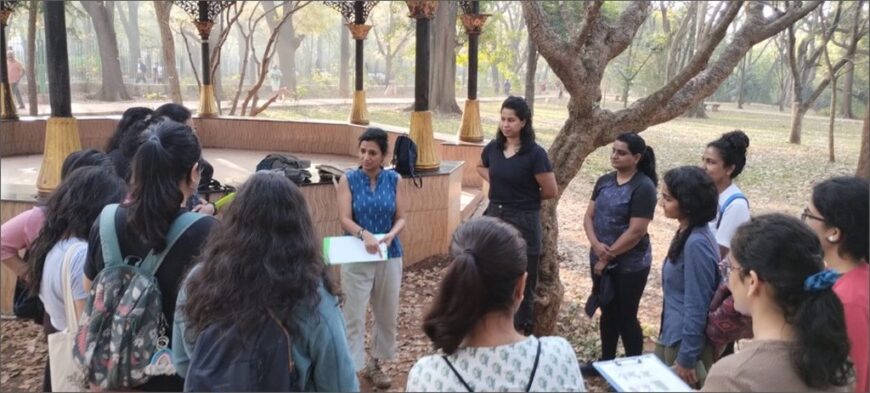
507	87
141	70
275	76
16	72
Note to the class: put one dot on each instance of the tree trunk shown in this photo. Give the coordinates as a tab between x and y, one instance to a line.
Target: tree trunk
833	117
162	9
797	118
287	44
848	83
442	61
214	63
343	63
130	22
388	70
531	68
698	111
32	98
741	82
493	73
112	88
864	156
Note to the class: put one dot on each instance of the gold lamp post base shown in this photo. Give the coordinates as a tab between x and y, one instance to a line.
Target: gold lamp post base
61	139
421	134
470	129
207	103
7	107
359	112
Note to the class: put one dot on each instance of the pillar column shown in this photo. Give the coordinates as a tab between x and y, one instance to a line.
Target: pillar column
207	102
421	119
470	129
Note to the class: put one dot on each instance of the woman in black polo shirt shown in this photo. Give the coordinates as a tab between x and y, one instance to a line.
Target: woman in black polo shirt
520	176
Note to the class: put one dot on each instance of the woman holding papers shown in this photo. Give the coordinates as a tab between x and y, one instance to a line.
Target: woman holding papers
372	201
689	274
472	322
777	276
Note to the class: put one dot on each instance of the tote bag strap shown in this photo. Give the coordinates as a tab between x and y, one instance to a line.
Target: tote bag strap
68	301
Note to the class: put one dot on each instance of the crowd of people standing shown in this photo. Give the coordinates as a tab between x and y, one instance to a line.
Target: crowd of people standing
129	221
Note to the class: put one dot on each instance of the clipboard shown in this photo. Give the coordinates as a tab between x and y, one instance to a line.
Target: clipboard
644	373
339	250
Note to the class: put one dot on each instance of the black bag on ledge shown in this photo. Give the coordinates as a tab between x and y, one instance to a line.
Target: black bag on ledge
291	166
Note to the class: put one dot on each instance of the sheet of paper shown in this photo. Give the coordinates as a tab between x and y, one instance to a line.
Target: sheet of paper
350	249
644	373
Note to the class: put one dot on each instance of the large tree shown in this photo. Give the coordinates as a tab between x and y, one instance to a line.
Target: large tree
864	155
162	10
112	87
392	30
130	22
288	41
579	60
442	61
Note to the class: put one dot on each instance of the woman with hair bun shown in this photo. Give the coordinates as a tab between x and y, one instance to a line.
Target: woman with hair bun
724	160
777	276
471	321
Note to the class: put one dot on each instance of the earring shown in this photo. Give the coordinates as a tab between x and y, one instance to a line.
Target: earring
833	239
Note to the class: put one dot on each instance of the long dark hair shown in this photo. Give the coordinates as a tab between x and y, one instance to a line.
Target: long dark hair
696	193
647	163
783	253
842	201
175	112
732	149
71	211
523	112
164	160
489	257
122	130
84	158
266	257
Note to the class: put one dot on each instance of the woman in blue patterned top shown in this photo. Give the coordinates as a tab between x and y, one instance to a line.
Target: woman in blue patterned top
372	202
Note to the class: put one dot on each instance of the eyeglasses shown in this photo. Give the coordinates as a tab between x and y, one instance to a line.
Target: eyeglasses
725	267
807	214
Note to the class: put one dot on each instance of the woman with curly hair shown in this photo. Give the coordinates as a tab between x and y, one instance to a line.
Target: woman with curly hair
262	295
689	274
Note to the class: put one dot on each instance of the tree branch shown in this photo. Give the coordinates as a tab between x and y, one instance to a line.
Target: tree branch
593	13
621	35
550	44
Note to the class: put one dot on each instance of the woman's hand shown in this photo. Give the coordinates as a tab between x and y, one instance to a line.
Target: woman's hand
599	267
372	245
387	239
686	374
601	250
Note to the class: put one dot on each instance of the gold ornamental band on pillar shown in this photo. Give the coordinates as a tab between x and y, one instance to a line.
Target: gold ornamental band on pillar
470	129
359	113
207	103
7	107
421	134
61	139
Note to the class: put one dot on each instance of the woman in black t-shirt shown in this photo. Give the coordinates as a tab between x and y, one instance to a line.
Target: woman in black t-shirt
520	176
622	206
164	174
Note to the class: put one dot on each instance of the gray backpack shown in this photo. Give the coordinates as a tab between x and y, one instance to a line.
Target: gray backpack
123	337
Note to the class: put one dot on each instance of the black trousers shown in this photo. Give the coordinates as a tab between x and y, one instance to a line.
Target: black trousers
619	317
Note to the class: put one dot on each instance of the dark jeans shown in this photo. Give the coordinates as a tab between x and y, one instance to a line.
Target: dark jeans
619	317
528	223
14	87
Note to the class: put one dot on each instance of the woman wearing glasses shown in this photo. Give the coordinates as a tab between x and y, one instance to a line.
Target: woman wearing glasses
838	215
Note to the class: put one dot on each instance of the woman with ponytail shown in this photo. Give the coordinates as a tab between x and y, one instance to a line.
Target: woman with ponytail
690	273
622	206
838	214
164	174
471	321
777	276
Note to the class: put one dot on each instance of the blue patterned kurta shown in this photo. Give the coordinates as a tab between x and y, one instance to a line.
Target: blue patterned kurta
375	210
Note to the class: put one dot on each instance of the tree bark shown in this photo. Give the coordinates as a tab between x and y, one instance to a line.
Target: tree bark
531	69
32	98
130	22
442	61
741	82
848	83
162	9
580	61
287	44
833	117
112	88
863	169
343	63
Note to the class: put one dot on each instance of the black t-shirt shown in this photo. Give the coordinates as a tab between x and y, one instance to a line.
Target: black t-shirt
169	276
615	206
512	180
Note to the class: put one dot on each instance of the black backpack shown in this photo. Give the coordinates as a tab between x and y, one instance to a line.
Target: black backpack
289	165
405	159
222	362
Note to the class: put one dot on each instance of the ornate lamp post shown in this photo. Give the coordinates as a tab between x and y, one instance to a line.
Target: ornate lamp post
61	129
421	118
204	13
7	106
355	14
473	20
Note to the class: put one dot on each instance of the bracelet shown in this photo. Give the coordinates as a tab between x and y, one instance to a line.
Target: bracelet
360	232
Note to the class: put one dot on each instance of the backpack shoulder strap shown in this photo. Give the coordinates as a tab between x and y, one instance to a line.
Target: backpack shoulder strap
727	203
534	367
458	376
109	236
153	261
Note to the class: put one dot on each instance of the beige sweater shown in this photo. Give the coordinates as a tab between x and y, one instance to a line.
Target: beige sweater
761	366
